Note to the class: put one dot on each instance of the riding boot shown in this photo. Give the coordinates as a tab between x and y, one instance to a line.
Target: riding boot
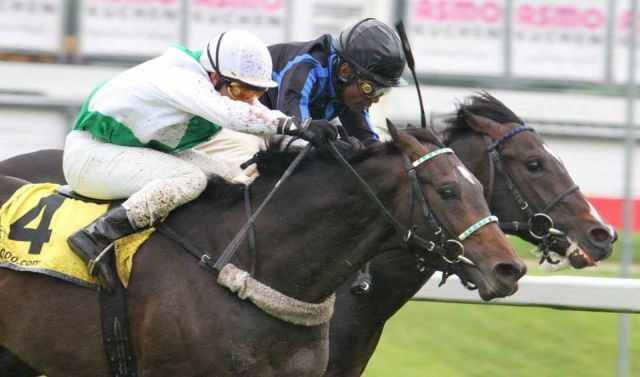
90	242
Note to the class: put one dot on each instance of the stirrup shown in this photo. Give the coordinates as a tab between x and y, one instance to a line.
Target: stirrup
91	265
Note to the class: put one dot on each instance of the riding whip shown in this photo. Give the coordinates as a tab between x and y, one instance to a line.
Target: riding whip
411	64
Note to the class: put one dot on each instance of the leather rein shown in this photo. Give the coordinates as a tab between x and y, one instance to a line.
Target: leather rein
539	223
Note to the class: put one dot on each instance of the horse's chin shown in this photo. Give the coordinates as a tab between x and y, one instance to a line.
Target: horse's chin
488	289
579	257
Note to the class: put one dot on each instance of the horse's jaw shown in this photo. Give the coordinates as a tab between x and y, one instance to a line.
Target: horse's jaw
488	289
579	257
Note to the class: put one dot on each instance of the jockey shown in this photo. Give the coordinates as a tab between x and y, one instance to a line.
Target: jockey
326	78
134	134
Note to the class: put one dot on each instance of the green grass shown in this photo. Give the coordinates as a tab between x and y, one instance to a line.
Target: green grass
461	340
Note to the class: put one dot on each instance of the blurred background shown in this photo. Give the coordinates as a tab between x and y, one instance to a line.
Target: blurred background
567	67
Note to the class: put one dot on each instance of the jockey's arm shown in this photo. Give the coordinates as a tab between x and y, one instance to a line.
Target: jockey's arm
195	94
295	90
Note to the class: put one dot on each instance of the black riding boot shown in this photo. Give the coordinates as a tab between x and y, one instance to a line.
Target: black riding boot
90	242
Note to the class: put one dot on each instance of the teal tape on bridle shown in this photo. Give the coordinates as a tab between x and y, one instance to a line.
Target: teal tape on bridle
431	155
477	225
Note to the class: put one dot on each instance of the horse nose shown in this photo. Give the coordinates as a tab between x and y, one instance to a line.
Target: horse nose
510	273
602	236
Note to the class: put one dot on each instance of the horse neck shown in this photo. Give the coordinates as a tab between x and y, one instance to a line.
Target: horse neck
322	227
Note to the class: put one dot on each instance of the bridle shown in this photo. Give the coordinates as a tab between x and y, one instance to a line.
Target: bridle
539	223
448	247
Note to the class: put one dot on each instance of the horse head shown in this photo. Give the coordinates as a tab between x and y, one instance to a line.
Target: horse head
450	200
513	161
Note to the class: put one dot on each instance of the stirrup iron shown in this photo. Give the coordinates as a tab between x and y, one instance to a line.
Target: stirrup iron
91	265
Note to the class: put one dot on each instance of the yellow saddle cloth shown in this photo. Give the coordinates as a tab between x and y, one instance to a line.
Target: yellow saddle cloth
34	225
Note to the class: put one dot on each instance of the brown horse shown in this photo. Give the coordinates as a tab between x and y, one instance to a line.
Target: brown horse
536	174
185	324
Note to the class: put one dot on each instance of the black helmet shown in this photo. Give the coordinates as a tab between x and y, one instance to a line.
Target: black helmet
374	50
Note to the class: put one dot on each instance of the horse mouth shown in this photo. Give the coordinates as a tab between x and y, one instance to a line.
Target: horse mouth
488	288
579	257
492	291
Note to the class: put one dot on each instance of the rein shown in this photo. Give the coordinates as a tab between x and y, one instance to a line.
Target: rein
539	223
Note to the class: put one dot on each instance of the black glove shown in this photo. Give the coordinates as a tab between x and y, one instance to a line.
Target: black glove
349	147
317	132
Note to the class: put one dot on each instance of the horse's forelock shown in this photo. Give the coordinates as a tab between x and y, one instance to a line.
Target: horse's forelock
482	104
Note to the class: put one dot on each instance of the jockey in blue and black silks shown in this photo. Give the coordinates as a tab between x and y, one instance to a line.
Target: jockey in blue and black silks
326	78
134	136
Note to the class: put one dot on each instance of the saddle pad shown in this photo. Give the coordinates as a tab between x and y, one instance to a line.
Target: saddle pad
34	225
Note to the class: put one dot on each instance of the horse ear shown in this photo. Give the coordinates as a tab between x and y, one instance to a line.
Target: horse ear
393	131
480	124
405	141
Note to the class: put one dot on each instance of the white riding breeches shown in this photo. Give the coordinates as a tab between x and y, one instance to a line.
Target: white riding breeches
155	182
233	148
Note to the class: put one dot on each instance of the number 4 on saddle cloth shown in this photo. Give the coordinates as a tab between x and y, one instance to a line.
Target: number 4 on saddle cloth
34	225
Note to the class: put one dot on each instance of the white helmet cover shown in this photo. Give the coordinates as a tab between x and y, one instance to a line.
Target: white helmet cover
239	55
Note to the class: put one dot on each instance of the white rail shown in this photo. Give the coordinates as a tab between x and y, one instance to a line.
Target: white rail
560	292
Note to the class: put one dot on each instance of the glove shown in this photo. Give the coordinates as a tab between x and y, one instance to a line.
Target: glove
349	147
356	145
317	132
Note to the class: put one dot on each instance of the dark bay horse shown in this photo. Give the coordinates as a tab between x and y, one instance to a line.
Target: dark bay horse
540	178
185	324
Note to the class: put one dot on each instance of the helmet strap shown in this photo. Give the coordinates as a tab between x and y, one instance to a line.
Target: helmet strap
221	79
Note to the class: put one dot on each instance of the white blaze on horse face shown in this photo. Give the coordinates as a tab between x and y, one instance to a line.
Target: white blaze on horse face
552	153
596	215
467	174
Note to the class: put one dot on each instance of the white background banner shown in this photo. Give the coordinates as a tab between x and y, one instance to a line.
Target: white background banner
128	28
314	18
208	18
32	25
559	39
622	25
460	37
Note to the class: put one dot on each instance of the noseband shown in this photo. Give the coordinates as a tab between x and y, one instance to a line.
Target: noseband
539	223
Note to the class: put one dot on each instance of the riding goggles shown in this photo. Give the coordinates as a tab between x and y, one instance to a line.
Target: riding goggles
242	92
372	89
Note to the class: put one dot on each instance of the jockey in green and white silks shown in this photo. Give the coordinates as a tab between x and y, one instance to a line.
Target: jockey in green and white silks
134	134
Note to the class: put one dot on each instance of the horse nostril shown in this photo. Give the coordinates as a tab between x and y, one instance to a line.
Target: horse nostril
509	273
600	235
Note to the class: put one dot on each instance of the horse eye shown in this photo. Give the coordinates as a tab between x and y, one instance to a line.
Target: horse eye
534	165
447	192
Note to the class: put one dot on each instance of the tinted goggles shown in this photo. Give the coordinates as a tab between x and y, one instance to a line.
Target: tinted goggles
241	92
372	89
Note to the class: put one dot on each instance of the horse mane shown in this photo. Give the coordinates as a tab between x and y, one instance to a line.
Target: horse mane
276	158
483	104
